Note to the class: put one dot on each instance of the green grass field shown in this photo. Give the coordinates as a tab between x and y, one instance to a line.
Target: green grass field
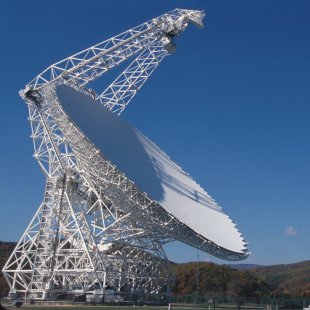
102	307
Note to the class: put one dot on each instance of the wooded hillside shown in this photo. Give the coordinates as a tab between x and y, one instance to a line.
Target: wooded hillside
6	249
221	280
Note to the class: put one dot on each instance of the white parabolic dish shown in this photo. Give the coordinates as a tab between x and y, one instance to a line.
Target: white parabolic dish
150	169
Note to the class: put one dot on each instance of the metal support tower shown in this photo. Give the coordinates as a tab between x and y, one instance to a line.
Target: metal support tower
90	230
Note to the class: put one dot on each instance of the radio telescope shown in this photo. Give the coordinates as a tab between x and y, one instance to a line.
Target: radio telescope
112	198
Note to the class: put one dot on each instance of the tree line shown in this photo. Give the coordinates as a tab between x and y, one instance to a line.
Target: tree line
289	281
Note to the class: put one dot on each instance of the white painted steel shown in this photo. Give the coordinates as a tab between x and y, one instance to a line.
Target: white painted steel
150	169
95	226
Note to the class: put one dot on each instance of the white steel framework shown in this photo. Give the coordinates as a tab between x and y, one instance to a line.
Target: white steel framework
94	227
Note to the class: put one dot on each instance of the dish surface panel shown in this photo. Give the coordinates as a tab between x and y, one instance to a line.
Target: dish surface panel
152	171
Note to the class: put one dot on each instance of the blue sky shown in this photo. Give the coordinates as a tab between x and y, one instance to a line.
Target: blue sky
231	106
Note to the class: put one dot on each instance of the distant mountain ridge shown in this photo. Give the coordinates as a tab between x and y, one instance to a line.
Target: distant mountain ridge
244	266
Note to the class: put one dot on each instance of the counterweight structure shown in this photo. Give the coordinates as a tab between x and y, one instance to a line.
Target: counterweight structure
95	228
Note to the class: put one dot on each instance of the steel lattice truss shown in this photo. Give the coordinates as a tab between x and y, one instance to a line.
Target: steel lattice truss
94	227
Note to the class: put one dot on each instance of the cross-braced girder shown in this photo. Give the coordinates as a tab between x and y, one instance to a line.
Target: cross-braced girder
94	227
152	40
78	237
